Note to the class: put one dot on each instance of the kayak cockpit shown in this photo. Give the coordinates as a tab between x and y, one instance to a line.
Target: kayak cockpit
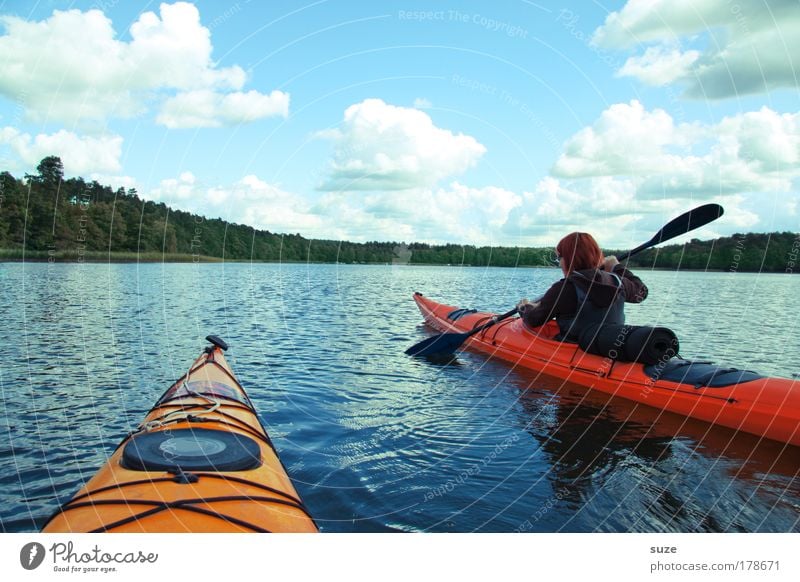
548	330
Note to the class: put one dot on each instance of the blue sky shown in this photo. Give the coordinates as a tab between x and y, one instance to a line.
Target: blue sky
507	123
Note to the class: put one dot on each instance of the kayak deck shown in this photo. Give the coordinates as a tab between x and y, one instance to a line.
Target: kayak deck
767	407
199	462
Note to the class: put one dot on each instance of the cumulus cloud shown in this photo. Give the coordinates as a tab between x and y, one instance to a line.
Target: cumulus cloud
755	151
383	147
750	46
115	181
211	109
659	65
72	67
172	190
269	207
626	139
610	207
554	206
81	155
641	21
614	212
453	213
250	201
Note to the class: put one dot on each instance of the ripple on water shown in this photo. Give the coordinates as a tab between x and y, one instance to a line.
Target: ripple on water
375	440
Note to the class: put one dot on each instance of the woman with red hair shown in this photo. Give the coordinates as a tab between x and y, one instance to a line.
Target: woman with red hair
593	290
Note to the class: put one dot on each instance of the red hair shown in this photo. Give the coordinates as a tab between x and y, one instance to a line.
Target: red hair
580	251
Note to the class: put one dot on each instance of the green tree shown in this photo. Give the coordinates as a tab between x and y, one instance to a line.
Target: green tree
51	170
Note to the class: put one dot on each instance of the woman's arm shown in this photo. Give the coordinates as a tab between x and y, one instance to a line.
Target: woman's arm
635	290
551	303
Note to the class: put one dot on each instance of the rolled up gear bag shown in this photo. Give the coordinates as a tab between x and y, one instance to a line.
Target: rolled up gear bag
651	345
630	343
605	340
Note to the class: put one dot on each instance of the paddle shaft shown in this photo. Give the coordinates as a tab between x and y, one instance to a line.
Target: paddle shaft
491	322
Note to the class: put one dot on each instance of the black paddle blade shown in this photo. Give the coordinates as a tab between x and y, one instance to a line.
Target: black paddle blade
684	223
442	344
688	221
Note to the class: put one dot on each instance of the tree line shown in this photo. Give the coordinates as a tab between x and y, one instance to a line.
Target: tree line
46	214
752	252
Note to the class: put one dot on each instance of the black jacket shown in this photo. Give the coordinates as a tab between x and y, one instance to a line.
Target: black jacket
601	288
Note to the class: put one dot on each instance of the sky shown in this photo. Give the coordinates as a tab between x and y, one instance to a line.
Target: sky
507	123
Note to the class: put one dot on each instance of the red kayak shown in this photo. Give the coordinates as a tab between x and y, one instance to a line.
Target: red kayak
738	399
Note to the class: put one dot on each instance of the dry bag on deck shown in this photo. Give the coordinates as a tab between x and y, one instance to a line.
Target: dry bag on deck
630	343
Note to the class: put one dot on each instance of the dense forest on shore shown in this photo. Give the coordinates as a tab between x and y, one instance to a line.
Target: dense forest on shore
46	216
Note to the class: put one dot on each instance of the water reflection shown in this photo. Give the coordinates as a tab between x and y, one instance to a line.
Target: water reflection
683	474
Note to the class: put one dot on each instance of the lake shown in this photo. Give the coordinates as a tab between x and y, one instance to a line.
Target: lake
375	440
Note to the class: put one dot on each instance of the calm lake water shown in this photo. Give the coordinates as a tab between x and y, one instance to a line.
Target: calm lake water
375	440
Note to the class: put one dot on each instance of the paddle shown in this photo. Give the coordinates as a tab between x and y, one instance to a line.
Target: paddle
686	222
446	343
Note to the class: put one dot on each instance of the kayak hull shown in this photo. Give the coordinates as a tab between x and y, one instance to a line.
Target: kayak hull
202	485
766	407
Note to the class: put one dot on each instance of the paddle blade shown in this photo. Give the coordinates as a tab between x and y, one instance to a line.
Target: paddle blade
688	221
442	344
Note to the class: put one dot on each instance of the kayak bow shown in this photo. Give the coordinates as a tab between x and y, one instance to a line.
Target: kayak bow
737	399
199	462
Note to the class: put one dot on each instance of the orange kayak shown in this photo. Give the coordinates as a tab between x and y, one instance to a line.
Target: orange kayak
199	462
738	399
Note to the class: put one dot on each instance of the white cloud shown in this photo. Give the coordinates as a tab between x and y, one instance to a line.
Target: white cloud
626	139
175	51
736	215
114	181
609	207
613	211
422	103
72	67
248	201
211	109
81	155
453	213
749	152
172	190
384	147
749	46
659	65
641	21
769	139
622	178
269	207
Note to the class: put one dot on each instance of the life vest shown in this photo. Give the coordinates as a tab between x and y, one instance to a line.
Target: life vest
588	313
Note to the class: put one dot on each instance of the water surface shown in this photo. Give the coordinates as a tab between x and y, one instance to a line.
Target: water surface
375	440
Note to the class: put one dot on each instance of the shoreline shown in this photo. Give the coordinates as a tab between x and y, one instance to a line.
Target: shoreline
95	257
7	256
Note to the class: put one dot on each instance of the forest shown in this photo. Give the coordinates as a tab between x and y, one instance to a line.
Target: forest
46	216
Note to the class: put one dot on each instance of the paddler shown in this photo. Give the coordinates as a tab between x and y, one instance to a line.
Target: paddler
594	289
